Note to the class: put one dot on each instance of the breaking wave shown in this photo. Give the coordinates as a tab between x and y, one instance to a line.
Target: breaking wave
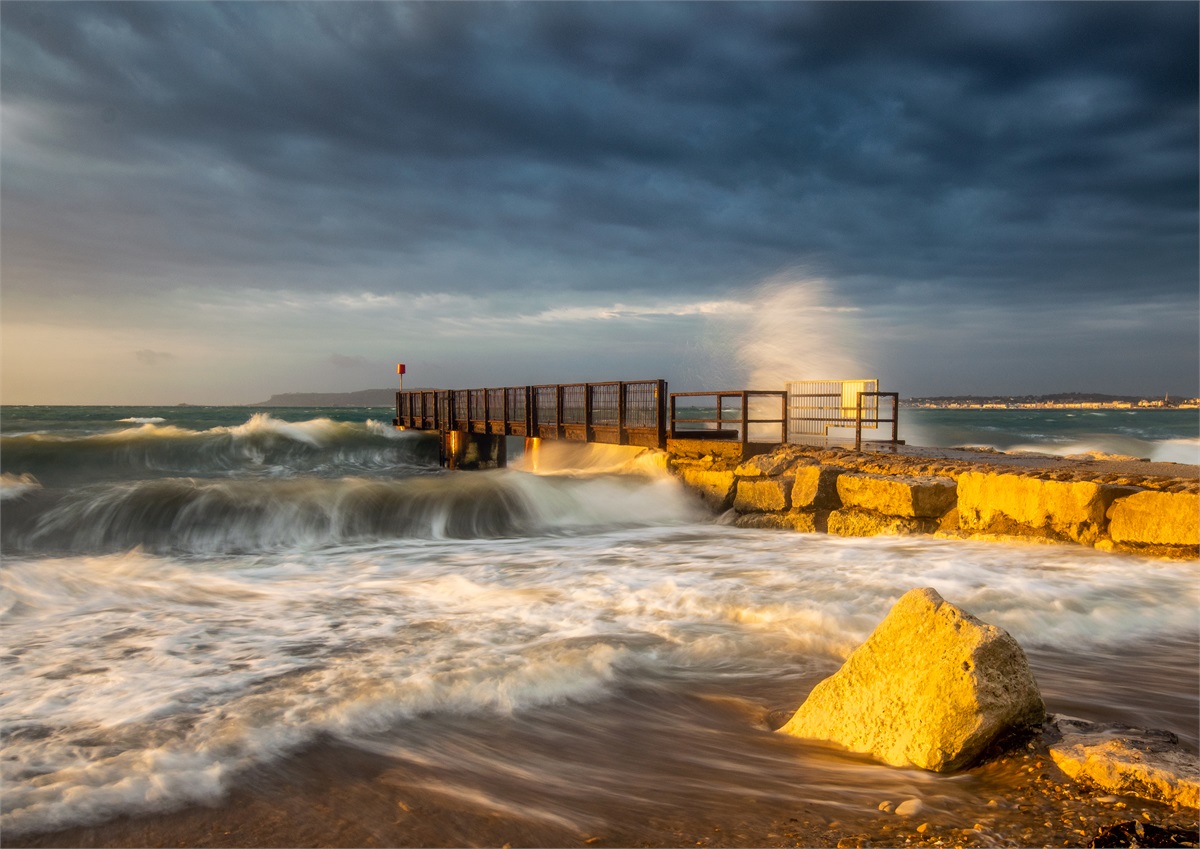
262	446
190	515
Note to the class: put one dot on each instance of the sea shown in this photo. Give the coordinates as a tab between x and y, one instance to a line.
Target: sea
200	603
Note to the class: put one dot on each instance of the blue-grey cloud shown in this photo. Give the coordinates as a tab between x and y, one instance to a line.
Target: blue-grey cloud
1042	154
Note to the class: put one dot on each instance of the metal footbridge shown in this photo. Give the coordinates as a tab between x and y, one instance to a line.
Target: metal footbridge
639	413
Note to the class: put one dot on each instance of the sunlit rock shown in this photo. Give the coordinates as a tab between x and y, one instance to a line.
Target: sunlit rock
815	487
795	520
865	523
714	487
761	495
920	497
932	687
768	465
1156	518
705	453
1130	761
1014	504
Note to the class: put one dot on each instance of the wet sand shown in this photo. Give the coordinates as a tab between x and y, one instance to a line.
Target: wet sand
338	796
656	768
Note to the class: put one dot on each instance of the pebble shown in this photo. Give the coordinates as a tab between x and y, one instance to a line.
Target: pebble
922	828
909	807
886	807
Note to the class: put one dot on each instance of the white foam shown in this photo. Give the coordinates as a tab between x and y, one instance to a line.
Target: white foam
315	432
1180	450
17	486
136	682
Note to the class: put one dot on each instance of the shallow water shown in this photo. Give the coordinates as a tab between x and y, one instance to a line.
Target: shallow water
547	649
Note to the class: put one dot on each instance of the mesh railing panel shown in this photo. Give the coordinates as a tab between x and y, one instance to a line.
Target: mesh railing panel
516	403
574	398
606	399
641	404
495	404
545	400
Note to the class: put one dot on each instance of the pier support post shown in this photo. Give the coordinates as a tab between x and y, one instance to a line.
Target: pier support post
468	451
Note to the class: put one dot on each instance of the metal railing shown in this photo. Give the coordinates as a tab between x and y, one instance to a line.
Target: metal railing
618	412
637	412
817	407
742	415
860	420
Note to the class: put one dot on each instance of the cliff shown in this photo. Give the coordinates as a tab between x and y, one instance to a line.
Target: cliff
361	398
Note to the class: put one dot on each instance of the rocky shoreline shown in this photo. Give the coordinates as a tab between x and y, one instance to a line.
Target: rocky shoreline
1107	503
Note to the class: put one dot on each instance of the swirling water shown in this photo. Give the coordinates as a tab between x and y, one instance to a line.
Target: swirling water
190	597
1163	435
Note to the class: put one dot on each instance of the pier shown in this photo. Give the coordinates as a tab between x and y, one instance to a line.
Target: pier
473	424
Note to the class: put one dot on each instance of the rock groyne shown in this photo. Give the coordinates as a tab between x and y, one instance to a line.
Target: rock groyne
1139	507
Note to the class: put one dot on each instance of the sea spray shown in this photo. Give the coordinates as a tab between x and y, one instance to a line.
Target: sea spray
796	330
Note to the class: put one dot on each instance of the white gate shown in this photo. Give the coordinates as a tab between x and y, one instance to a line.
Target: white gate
816	406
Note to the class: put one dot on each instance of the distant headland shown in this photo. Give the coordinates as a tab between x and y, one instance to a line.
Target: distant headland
361	398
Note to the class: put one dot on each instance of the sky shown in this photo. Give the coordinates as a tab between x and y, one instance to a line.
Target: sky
214	202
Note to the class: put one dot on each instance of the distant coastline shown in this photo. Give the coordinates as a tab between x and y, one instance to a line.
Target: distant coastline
1061	401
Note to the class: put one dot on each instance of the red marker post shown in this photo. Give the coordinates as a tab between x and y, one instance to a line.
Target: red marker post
400	371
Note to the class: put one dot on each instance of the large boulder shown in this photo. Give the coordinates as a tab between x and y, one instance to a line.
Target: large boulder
932	687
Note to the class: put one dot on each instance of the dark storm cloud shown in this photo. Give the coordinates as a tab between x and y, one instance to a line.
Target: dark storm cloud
1001	149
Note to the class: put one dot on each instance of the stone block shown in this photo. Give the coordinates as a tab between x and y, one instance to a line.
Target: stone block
1156	518
921	497
767	465
932	687
712	453
716	488
990	502
865	523
762	495
799	521
816	487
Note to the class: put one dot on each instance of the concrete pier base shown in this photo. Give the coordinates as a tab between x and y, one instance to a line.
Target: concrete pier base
469	451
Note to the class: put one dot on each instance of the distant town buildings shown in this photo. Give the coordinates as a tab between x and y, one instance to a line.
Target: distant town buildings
1057	402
